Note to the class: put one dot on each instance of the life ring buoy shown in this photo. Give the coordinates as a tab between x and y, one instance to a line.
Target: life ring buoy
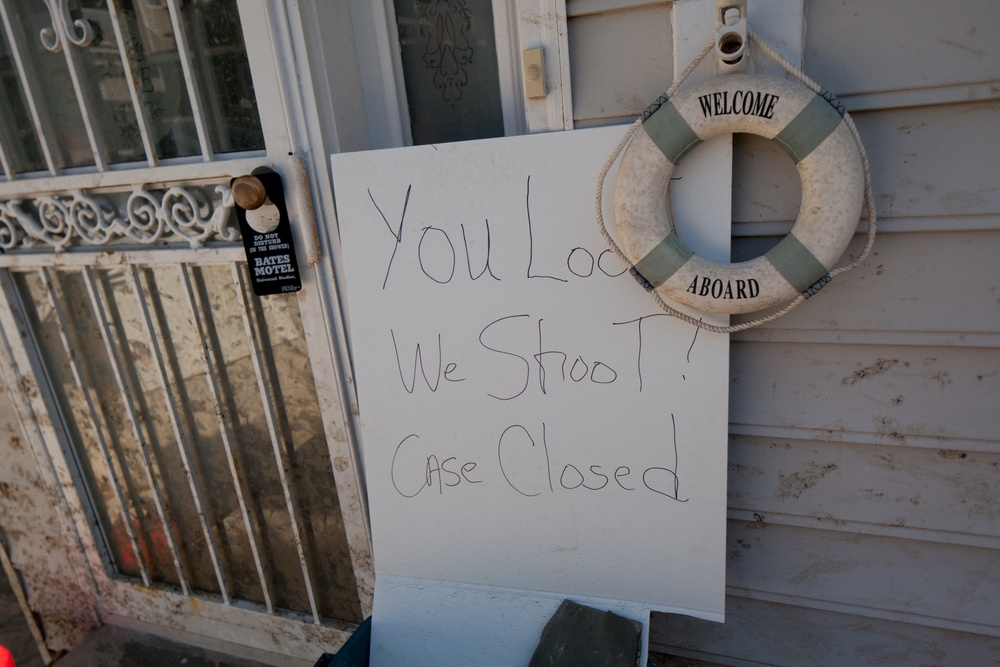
807	126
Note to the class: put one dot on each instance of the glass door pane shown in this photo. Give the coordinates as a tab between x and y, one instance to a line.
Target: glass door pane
449	55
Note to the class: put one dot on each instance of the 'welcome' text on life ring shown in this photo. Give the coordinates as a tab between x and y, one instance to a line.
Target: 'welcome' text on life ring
808	126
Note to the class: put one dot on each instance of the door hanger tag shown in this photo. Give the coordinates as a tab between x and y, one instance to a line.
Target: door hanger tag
267	233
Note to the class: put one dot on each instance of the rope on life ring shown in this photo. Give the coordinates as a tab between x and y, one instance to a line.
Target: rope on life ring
809	125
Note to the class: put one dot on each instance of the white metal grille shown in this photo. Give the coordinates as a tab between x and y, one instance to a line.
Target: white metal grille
189	214
123	83
193	413
185	408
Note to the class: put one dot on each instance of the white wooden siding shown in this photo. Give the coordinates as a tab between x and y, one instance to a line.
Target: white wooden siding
767	633
613	85
865	460
865	439
859	47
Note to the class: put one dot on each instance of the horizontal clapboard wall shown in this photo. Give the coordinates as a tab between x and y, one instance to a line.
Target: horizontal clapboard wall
864	526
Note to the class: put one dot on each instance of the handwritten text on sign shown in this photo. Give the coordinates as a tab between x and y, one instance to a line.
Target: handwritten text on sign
530	419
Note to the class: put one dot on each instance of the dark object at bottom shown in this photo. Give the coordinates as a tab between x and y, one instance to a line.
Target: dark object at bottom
355	652
578	635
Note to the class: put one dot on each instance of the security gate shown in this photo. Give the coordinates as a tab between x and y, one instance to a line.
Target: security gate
200	433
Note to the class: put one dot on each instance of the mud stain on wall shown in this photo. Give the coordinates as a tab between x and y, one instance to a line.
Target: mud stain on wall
881	365
792	486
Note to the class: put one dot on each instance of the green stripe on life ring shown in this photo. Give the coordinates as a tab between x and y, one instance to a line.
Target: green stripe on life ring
670	132
664	260
796	263
808	130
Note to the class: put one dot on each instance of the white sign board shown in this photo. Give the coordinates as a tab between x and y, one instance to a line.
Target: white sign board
530	419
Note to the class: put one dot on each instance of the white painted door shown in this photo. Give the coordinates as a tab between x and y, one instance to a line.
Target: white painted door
200	435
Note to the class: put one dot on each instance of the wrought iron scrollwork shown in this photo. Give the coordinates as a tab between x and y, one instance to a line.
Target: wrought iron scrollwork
190	214
78	31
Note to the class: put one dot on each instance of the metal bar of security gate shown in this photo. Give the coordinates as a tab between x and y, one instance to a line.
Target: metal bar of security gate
129	515
127	54
7	170
41	123
83	98
183	447
210	364
147	460
265	383
194	94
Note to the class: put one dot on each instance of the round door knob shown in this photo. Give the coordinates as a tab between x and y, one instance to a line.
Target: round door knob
249	192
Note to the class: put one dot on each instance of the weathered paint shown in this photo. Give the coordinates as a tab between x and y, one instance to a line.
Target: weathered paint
849	466
864	446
